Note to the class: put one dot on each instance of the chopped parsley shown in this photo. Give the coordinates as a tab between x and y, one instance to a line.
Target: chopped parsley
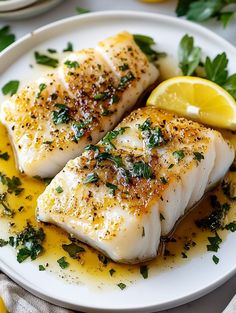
6	38
28	243
11	87
112	271
80	128
153	136
59	189
124	67
102	258
41	268
214	243
229	189
122	286
101	96
108	156
7	211
231	226
112	188
91	178
141	170
4	156
162	218
178	155
73	249
163	180
13	184
62	115
215	259
215	220
115	99
80	10
72	64
45	60
63	263
198	156
52	51
107	139
41	88
144	271
125	80
91	147
69	47
3	243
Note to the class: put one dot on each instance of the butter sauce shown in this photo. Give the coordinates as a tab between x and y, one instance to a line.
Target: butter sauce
188	240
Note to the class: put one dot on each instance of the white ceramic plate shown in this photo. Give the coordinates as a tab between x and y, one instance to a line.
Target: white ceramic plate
36	8
166	289
9	5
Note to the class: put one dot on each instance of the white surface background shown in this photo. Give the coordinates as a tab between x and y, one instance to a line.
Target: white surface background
216	301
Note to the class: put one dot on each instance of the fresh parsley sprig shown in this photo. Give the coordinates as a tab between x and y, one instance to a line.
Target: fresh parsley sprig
6	38
216	69
203	10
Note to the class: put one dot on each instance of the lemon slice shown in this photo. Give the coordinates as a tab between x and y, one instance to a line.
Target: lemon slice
196	98
2	306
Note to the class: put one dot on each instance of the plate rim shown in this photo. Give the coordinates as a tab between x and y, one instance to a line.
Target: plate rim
37	33
15	5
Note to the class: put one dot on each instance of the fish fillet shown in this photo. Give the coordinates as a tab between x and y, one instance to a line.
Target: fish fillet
53	119
127	191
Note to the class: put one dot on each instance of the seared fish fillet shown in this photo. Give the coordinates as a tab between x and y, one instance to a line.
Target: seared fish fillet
53	119
127	191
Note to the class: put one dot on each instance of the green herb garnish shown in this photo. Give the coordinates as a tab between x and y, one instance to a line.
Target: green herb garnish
115	99
7	211
125	80
231	226
6	38
122	286
124	67
82	10
5	156
144	271
3	243
214	243
107	140
41	88
179	155
198	156
215	259
189	55
112	188
11	87
61	115
52	51
91	178
203	10
41	268
72	64
69	47
28	243
80	128
102	258
141	170
45	60
63	263
112	271
153	136
13	184
108	156
59	189
73	250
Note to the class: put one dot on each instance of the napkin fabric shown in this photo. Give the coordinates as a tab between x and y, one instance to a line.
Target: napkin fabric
231	308
18	300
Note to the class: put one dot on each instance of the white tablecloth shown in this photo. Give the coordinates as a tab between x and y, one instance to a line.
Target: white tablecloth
216	301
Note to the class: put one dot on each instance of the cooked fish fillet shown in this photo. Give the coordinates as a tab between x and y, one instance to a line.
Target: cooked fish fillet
127	191
53	119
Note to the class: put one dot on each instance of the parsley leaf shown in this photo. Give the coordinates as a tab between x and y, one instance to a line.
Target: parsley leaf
41	88
7	211
107	140
3	243
144	271
5	156
59	189
73	249
189	55
11	87
214	243
112	188
82	10
112	271
122	286
91	178
80	128
215	259
71	64
41	268
13	184
231	226
216	69
61	115
142	170
63	263
6	38
198	156
45	60
179	155
69	47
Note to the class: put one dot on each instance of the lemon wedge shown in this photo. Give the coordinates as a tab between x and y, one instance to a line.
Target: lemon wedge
196	98
2	306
